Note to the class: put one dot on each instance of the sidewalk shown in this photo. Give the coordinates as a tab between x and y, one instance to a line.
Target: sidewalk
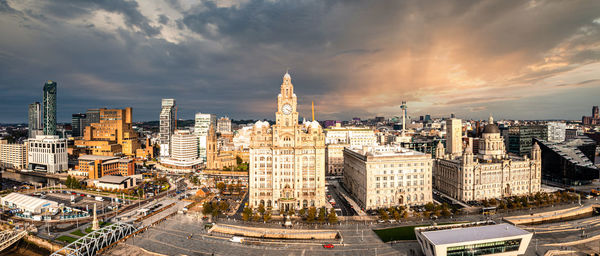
342	192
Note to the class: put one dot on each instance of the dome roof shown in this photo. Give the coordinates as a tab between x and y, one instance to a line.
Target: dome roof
287	76
491	128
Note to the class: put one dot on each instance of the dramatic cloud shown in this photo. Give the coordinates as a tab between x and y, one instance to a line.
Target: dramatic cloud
515	59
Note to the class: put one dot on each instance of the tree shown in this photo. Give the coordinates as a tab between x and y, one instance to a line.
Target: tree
312	213
396	215
322	214
383	215
429	207
445	212
238	160
493	202
246	214
267	216
332	217
221	186
256	216
261	209
207	208
223	206
302	212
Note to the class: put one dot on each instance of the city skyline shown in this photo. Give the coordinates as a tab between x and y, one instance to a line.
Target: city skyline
516	60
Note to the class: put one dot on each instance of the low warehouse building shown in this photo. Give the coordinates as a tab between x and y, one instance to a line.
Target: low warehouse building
29	204
479	238
115	182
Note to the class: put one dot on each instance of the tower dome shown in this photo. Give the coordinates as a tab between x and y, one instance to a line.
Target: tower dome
491	127
287	76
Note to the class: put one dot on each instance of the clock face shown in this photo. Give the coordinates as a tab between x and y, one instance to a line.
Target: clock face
287	109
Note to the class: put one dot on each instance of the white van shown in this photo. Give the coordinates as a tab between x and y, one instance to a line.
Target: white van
236	239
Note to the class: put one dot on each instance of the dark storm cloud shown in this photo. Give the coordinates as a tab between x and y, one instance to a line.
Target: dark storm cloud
70	9
353	58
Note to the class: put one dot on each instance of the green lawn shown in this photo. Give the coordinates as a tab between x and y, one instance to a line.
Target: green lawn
77	233
100	223
67	239
401	233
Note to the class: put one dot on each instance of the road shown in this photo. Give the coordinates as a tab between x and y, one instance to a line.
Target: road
341	203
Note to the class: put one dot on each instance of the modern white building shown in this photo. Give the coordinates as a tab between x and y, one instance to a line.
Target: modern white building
385	176
114	182
203	123
13	155
29	204
471	239
47	153
168	124
184	151
224	125
337	138
556	131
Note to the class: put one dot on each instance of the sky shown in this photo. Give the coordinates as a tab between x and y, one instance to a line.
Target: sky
512	59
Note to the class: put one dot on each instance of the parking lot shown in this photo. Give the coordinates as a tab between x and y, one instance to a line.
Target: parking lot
81	201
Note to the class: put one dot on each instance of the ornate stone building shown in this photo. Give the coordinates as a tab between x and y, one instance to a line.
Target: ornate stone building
489	174
287	160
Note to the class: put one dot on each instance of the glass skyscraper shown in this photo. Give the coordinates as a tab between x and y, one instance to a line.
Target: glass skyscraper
35	119
50	108
78	124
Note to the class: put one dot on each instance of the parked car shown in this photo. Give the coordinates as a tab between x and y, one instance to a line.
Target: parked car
328	246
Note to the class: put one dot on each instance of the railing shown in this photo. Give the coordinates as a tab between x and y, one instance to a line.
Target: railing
7	238
97	240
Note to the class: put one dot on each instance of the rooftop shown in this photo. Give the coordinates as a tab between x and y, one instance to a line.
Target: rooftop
94	157
382	151
113	179
570	151
466	234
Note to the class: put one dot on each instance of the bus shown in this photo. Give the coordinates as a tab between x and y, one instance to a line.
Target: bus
488	210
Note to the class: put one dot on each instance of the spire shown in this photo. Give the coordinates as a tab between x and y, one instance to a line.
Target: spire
491	119
313	110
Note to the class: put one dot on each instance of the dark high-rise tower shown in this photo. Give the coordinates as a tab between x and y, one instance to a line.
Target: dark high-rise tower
78	124
35	119
50	108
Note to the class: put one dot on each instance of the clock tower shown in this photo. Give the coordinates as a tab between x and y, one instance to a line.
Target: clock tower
287	160
286	104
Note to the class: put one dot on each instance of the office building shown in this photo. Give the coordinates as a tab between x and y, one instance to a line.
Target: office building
47	153
492	173
224	125
78	123
388	176
112	135
287	160
454	137
184	152
571	162
520	138
168	124
338	137
50	108
556	131
477	238
13	155
99	166
203	122
35	120
91	116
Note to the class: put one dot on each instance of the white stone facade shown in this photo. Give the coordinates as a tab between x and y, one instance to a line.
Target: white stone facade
337	138
386	176
224	125
556	131
490	174
287	160
47	152
454	136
